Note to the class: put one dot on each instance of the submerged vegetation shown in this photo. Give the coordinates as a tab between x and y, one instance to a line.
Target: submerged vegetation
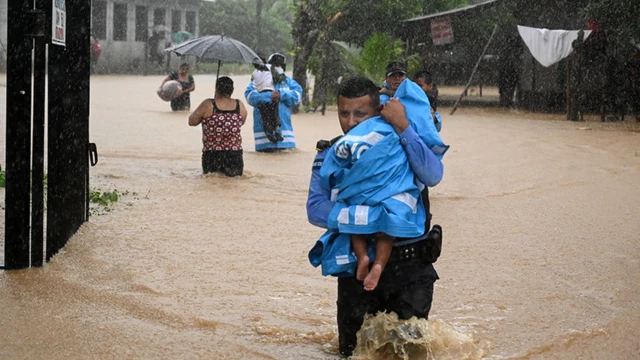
100	201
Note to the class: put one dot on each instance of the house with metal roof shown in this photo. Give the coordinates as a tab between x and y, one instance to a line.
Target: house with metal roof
450	43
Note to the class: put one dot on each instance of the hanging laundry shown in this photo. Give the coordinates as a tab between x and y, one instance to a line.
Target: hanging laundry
549	46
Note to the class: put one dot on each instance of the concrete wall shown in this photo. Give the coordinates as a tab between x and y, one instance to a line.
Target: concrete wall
3	35
123	56
129	55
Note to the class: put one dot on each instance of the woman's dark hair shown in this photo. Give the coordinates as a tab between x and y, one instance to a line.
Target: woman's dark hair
184	64
359	87
224	86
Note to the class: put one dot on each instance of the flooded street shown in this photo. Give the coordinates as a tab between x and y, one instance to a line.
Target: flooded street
540	259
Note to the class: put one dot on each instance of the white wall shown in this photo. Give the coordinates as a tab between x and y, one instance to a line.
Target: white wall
128	56
3	33
121	56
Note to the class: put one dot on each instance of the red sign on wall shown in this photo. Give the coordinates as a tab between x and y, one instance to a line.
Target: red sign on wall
441	32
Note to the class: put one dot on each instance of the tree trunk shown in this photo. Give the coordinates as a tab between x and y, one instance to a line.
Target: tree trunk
304	39
300	61
322	84
258	32
574	80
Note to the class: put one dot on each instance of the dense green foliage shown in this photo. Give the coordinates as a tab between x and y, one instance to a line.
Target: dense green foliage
361	19
3	178
378	51
307	30
372	24
265	31
358	20
618	16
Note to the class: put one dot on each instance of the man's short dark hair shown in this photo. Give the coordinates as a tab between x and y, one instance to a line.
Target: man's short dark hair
424	75
224	86
358	87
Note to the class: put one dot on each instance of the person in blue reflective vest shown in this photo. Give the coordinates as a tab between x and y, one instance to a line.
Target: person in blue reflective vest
288	94
406	285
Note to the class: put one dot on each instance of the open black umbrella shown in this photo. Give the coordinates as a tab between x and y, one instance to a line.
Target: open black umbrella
216	47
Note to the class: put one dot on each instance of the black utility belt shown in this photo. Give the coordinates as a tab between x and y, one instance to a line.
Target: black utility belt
427	250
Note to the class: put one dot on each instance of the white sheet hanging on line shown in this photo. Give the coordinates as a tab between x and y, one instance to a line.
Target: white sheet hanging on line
549	46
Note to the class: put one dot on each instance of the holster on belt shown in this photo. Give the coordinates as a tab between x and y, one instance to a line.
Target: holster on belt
432	246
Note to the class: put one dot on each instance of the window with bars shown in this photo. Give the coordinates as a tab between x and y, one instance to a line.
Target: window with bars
119	22
176	19
142	18
190	25
99	20
159	16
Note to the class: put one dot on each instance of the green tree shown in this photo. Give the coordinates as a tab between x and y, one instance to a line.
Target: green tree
319	23
305	31
265	25
618	16
378	51
360	19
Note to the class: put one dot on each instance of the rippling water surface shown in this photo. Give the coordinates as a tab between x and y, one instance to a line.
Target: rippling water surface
540	259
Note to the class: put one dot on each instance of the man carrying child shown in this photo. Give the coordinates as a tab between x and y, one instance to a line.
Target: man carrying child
406	287
262	79
285	95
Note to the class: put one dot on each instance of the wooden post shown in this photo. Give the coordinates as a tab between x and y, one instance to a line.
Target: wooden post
18	138
574	80
475	68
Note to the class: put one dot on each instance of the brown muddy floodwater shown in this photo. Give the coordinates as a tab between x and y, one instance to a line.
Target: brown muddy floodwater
541	250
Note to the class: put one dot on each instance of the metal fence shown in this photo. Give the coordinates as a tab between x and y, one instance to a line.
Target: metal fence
29	37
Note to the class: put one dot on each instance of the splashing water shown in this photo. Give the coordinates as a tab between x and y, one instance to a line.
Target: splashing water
384	336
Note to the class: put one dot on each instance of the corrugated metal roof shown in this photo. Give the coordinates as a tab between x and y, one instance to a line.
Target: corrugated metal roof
448	12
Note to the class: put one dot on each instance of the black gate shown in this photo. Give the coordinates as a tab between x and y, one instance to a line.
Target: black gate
30	37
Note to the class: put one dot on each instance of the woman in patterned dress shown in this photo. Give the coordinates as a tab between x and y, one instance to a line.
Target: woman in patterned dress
221	119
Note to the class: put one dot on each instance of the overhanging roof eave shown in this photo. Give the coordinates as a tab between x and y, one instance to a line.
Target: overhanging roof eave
453	11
